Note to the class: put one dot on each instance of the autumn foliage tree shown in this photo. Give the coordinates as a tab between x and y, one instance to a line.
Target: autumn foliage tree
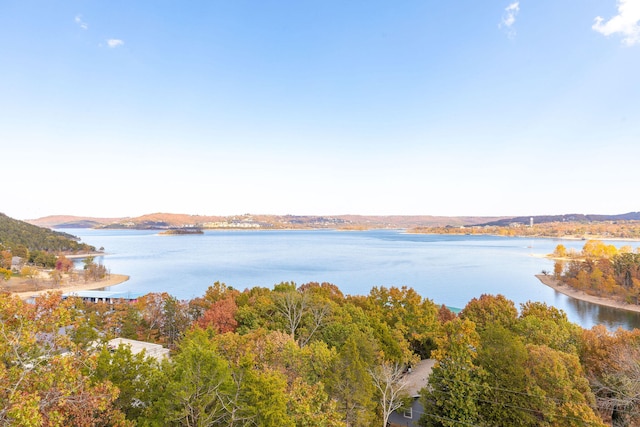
603	270
64	264
490	309
610	360
405	311
40	383
163	318
5	259
220	316
310	356
93	271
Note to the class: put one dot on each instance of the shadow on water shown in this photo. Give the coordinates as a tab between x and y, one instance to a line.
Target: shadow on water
593	314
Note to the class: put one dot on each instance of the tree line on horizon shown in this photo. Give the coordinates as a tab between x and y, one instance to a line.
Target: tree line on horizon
623	229
309	356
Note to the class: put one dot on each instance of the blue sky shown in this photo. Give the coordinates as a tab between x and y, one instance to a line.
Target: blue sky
123	108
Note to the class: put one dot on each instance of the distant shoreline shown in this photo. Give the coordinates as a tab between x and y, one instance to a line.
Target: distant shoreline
583	296
407	230
112	280
570	237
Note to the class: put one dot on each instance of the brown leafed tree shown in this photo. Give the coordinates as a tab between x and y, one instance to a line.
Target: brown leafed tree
220	316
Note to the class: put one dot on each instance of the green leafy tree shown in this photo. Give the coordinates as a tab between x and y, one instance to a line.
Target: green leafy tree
42	259
258	391
405	311
311	363
559	378
455	383
255	310
350	384
197	382
310	406
507	398
133	374
264	399
542	324
490	309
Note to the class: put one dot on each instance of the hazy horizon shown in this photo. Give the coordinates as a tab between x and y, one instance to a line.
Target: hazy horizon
312	108
313	215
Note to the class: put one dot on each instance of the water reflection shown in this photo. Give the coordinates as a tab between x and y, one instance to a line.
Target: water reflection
590	314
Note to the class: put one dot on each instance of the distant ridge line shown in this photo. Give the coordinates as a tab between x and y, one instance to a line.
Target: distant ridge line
168	220
541	219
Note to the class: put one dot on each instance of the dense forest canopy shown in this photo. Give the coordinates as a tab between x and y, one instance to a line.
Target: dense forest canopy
309	356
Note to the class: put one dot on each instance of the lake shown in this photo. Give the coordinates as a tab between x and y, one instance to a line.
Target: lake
449	270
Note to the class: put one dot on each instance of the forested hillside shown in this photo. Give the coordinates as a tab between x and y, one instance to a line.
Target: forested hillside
310	356
17	236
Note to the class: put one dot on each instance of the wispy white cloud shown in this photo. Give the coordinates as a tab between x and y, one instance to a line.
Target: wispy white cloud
509	18
626	22
113	43
78	20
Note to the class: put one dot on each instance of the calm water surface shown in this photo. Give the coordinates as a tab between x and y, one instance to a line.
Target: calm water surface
449	270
